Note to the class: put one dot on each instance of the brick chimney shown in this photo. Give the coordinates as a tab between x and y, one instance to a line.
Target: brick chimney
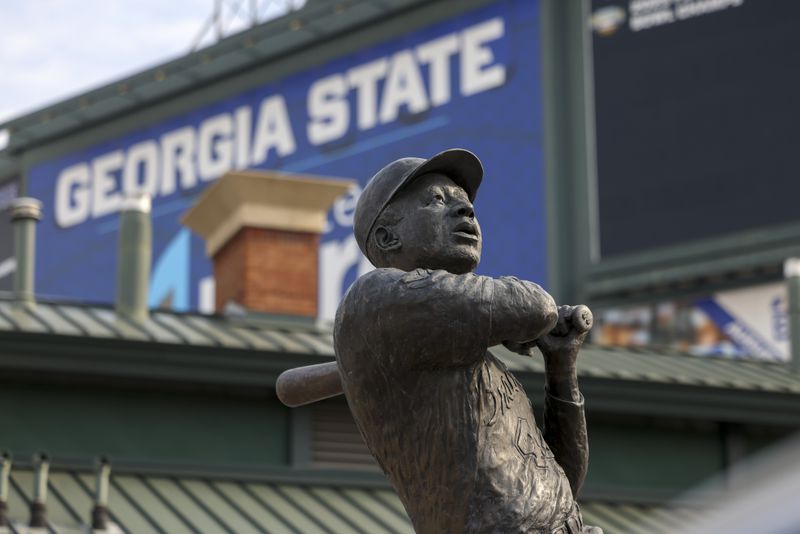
262	232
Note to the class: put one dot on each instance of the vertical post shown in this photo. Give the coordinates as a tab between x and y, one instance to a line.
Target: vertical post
568	108
133	258
25	212
38	503
791	271
5	472
100	510
218	18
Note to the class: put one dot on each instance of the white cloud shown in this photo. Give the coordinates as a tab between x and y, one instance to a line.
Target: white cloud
52	49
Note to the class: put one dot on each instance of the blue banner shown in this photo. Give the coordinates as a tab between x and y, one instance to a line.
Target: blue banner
472	81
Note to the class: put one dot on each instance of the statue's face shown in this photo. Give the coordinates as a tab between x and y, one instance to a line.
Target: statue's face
438	229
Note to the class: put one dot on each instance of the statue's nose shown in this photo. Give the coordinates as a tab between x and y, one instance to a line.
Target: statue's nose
463	209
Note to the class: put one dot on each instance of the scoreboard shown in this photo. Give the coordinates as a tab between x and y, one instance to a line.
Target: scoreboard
696	107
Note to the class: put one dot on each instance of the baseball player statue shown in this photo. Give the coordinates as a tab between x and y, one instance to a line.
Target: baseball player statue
450	426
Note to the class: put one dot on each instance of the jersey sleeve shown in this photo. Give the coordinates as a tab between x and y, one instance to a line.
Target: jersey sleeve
436	318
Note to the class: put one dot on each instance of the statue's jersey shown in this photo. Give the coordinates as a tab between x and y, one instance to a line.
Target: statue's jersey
450	426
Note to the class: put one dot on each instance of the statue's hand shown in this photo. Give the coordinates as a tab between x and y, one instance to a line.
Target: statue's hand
566	337
560	347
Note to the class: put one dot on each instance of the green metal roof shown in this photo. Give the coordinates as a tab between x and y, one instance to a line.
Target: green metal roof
279	335
666	366
172	504
86	344
283	336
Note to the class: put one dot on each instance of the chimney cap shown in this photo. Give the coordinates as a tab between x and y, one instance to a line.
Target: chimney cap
138	201
25	208
262	199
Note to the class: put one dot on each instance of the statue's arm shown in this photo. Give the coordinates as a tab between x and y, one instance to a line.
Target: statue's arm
521	311
564	420
452	319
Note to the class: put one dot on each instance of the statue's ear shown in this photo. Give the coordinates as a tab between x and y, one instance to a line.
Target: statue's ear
386	239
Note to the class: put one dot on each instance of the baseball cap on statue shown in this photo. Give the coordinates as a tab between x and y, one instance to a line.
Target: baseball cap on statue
461	166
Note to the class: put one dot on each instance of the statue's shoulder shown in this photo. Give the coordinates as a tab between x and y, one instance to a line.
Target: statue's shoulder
385	286
369	290
375	280
387	280
388	283
366	298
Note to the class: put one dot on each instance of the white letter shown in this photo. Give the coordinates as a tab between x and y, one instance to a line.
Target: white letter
328	109
243	124
403	87
436	54
177	153
106	197
475	56
214	148
72	196
272	130
365	78
142	156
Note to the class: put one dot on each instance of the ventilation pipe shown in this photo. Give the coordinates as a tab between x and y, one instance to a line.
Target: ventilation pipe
133	258
38	507
100	509
25	212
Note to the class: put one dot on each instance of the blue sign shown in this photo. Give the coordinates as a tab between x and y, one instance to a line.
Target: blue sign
472	81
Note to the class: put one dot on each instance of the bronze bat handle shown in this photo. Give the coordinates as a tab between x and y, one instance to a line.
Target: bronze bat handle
311	383
582	318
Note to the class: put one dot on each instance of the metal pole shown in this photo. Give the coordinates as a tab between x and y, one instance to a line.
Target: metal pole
791	271
100	510
133	258
218	18
38	503
25	212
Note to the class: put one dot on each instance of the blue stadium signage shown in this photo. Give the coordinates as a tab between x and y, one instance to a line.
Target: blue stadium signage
472	81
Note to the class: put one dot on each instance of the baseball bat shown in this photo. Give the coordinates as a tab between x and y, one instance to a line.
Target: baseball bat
312	383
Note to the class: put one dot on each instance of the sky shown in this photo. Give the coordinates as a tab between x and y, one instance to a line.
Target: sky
54	49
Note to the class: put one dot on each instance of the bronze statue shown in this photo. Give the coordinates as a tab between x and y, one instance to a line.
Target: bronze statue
450	426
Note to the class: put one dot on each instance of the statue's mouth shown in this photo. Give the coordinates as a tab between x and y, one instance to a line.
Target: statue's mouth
467	230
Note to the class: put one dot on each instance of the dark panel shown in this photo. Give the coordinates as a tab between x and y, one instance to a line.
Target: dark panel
128	425
651	457
697	130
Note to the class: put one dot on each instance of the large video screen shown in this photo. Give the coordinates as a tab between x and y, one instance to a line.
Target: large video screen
697	105
472	81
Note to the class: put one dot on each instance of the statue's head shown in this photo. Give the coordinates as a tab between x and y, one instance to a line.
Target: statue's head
418	213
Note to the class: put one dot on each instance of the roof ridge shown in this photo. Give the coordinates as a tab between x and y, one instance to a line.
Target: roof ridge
657	349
